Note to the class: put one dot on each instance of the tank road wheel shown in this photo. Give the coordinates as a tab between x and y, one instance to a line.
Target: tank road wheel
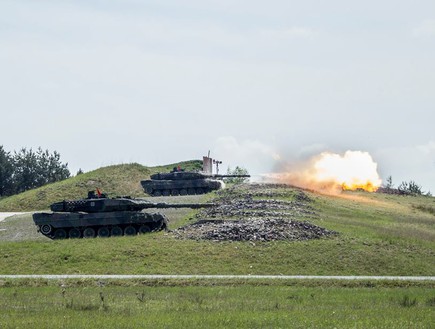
144	229
165	192
130	230
191	191
46	229
60	233
175	192
74	233
183	191
116	231
157	193
103	232
89	232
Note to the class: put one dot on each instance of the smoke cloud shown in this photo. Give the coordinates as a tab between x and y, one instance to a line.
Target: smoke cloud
253	155
331	173
326	172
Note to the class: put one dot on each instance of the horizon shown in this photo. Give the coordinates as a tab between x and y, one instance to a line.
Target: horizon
259	85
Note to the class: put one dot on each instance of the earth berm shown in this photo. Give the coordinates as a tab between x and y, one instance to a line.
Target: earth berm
241	214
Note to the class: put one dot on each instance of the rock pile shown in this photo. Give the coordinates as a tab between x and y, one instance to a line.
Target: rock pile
248	207
252	230
253	213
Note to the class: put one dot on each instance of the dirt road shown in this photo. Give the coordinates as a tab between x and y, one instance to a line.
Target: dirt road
4	215
235	277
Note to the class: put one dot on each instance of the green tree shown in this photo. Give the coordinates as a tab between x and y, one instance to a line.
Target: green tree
410	187
50	169
25	170
389	184
236	171
6	172
34	169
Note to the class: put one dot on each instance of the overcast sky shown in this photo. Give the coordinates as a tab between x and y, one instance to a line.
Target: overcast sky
156	82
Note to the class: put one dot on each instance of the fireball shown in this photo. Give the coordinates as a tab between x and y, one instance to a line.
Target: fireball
331	172
354	170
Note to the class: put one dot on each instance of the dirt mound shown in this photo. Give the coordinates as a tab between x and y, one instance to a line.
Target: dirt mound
256	212
252	230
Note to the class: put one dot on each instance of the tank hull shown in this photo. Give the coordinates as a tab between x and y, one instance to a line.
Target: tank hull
59	225
180	187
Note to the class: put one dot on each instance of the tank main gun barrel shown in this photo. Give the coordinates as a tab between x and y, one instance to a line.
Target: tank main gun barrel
230	176
117	204
163	205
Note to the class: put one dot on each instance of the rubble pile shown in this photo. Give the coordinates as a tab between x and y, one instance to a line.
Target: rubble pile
252	230
248	207
255	212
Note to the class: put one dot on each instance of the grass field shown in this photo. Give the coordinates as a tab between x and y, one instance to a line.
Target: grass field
378	234
225	306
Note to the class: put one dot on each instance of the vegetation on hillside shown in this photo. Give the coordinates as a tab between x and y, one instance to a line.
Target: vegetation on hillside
116	180
378	234
405	188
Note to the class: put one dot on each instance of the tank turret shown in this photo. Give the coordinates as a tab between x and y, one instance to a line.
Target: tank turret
99	215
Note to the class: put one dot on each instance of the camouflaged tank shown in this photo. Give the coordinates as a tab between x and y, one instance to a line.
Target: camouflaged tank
98	215
184	183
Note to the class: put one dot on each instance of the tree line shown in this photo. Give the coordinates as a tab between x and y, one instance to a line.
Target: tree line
405	188
236	171
28	169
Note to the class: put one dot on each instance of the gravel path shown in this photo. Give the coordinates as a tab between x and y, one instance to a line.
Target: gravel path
4	215
224	277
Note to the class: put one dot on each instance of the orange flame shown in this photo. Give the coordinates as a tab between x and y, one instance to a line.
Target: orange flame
332	172
354	170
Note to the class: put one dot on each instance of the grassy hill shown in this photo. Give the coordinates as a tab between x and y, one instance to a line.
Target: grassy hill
115	180
377	235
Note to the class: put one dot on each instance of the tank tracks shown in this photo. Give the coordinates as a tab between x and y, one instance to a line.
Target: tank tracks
82	225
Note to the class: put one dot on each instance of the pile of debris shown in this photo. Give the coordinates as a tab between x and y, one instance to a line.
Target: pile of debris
252	230
243	214
248	207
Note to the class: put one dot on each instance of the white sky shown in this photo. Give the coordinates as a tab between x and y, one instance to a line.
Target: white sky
156	82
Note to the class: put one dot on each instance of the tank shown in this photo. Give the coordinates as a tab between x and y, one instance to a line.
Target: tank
178	182
99	215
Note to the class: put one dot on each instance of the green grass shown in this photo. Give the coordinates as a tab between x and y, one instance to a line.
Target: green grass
224	306
378	235
115	180
381	217
162	254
